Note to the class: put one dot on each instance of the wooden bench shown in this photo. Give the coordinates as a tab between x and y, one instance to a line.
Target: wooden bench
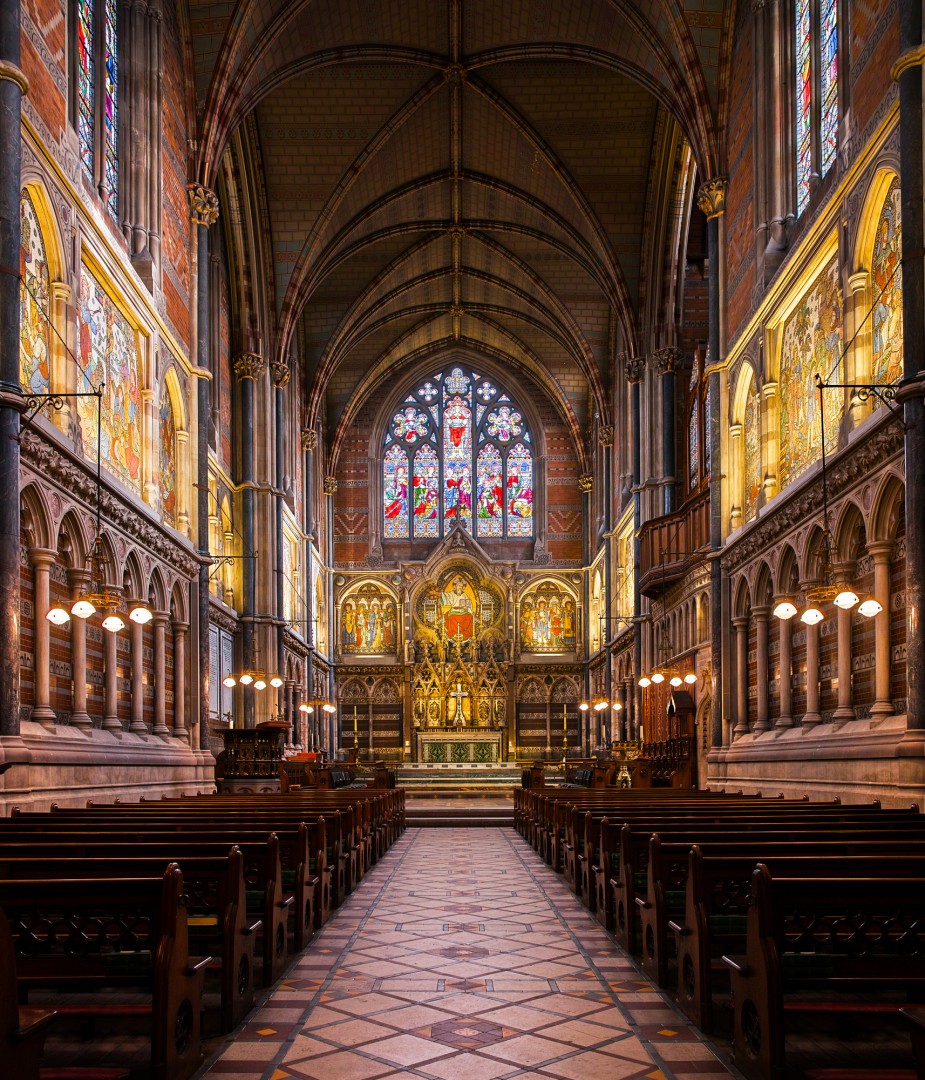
213	896
845	941
145	944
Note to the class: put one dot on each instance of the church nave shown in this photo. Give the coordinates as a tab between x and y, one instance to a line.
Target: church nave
461	956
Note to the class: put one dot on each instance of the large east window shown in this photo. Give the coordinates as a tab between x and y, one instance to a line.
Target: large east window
457	449
816	53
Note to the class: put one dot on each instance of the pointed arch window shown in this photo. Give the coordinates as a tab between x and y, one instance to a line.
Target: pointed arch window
96	95
465	444
817	104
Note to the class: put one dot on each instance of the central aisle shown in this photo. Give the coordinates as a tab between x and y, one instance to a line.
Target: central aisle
461	955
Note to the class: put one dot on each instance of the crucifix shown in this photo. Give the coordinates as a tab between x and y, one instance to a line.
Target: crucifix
459	717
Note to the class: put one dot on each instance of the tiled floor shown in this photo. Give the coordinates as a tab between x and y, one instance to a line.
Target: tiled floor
463	957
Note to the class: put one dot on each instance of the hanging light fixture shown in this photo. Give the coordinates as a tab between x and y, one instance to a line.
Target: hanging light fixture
98	595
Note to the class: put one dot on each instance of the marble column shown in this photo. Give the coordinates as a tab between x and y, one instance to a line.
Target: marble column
741	635
762	674
160	729
785	719
42	560
280	374
111	721
881	552
137	725
204	212
666	364
711	199
248	367
80	718
180	632
812	716
12	86
634	368
845	708
908	73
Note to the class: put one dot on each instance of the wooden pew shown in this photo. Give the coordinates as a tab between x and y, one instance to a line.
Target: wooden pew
145	944
836	937
213	896
717	892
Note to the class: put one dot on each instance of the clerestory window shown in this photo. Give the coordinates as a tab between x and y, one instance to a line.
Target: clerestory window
817	106
457	449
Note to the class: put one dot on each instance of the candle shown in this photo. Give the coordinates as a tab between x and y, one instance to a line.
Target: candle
354	717
564	719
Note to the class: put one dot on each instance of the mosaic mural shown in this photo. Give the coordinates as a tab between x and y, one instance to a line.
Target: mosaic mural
167	473
34	296
368	622
109	355
887	289
812	344
547	620
751	435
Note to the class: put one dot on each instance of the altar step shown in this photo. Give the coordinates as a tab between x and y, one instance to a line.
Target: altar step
436	814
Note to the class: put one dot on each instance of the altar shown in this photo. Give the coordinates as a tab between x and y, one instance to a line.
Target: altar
471	745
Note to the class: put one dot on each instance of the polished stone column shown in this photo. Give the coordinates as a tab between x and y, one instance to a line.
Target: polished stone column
711	199
80	718
666	365
634	368
161	621
882	552
204	207
13	85
741	633
248	367
42	560
812	716
180	632
845	708
586	487
762	674
785	719
111	720
908	73
137	725
280	374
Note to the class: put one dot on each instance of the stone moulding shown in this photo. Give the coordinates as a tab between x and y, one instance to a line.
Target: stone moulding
77	484
854	464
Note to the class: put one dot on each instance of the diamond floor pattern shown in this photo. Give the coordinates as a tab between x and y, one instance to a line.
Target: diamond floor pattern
461	956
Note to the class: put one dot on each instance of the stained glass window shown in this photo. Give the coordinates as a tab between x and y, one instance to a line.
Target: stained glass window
693	446
520	491
34	338
804	91
453	436
111	107
167	474
829	80
395	492
426	492
817	108
490	492
86	85
96	97
109	355
887	289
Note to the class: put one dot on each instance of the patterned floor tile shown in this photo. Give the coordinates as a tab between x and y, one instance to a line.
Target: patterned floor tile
431	972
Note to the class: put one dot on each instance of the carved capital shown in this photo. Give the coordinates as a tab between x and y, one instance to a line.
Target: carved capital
330	485
711	198
280	373
667	361
203	205
606	435
634	367
249	366
585	483
309	439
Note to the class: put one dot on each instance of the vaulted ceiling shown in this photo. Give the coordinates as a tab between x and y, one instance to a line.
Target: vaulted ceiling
511	175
